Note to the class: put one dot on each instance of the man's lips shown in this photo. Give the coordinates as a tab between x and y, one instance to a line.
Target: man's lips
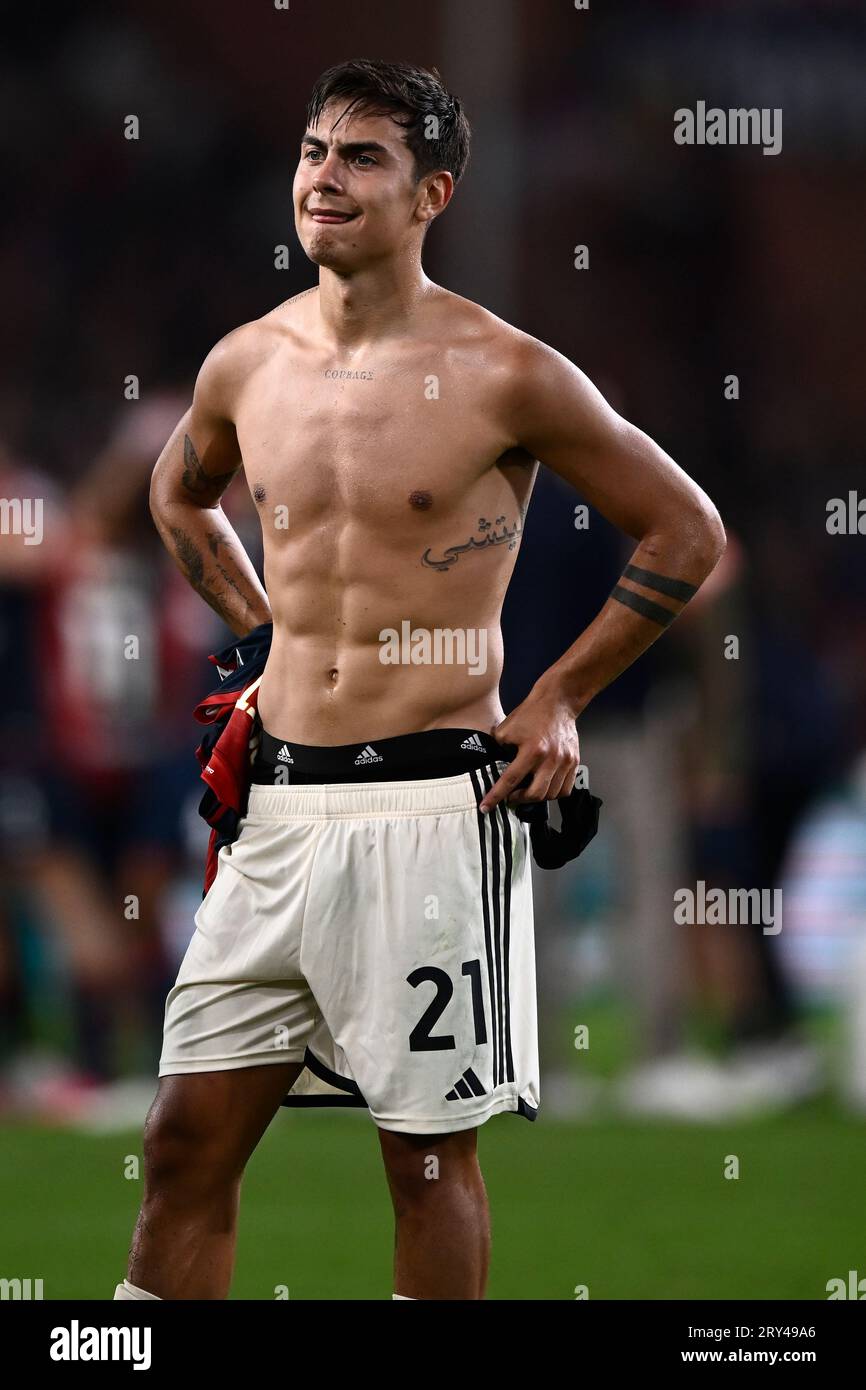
329	215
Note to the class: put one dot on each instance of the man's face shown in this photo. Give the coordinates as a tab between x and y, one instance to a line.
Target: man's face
364	170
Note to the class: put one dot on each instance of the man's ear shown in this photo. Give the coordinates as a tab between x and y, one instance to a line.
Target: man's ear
439	188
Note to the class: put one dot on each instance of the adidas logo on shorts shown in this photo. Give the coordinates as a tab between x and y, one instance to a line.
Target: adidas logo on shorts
473	743
368	755
284	756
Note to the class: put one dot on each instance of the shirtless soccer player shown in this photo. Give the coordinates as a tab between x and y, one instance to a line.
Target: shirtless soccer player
373	917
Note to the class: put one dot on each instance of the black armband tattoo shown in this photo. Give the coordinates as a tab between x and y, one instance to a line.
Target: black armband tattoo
645	606
674	588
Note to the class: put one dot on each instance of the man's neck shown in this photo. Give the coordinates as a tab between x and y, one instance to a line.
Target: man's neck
359	310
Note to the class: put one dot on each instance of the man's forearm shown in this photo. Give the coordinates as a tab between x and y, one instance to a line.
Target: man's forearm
662	575
207	550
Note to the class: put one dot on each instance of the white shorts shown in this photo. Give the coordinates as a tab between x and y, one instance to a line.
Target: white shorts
379	932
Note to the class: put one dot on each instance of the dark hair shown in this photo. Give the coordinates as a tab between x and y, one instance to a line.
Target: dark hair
410	95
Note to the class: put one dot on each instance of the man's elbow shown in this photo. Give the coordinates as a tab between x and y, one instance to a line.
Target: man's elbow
708	538
153	495
163	491
157	494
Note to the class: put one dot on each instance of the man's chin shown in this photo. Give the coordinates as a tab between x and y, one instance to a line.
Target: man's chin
331	258
324	256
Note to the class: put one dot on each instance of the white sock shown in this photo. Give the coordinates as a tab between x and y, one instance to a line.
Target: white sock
405	1297
133	1292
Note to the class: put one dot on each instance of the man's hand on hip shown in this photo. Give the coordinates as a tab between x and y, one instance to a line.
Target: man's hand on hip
544	732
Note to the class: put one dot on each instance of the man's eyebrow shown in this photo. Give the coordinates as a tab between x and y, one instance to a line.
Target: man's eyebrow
350	147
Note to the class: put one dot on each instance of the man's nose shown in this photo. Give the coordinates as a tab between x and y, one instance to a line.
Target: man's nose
327	173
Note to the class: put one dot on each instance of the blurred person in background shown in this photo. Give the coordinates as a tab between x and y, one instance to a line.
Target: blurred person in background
29	872
99	779
824	944
740	804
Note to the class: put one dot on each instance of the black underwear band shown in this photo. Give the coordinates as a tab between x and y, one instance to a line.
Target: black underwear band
407	758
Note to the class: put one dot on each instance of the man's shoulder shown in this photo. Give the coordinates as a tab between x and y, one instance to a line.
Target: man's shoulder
290	316
506	352
480	329
244	347
236	356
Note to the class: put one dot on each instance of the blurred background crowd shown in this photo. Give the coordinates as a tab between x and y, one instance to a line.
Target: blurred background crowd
126	259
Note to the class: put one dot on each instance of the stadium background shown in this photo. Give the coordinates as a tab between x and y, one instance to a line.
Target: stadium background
131	258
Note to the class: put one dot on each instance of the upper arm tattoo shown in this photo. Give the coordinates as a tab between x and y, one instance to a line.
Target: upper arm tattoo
196	481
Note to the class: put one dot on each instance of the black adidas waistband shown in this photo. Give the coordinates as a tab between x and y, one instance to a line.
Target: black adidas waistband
433	753
409	758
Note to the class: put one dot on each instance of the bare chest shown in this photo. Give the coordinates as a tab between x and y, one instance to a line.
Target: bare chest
368	439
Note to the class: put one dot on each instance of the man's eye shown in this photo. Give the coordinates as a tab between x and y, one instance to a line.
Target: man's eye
357	157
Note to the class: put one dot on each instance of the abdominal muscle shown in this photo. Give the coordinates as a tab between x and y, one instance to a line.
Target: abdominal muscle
315	694
368	643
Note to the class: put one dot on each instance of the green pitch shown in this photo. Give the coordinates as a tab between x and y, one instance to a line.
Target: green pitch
632	1210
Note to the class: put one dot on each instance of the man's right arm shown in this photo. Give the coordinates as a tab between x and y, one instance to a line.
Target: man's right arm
193	471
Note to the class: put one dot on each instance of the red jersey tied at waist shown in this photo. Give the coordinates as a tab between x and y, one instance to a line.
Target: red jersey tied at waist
226	751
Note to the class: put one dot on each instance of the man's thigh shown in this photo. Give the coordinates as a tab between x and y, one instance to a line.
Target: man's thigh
412	1160
221	1114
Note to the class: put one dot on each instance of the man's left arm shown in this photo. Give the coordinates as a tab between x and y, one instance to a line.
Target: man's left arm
559	417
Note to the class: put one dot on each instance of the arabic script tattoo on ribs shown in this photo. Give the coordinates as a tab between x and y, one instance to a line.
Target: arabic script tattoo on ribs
489	536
